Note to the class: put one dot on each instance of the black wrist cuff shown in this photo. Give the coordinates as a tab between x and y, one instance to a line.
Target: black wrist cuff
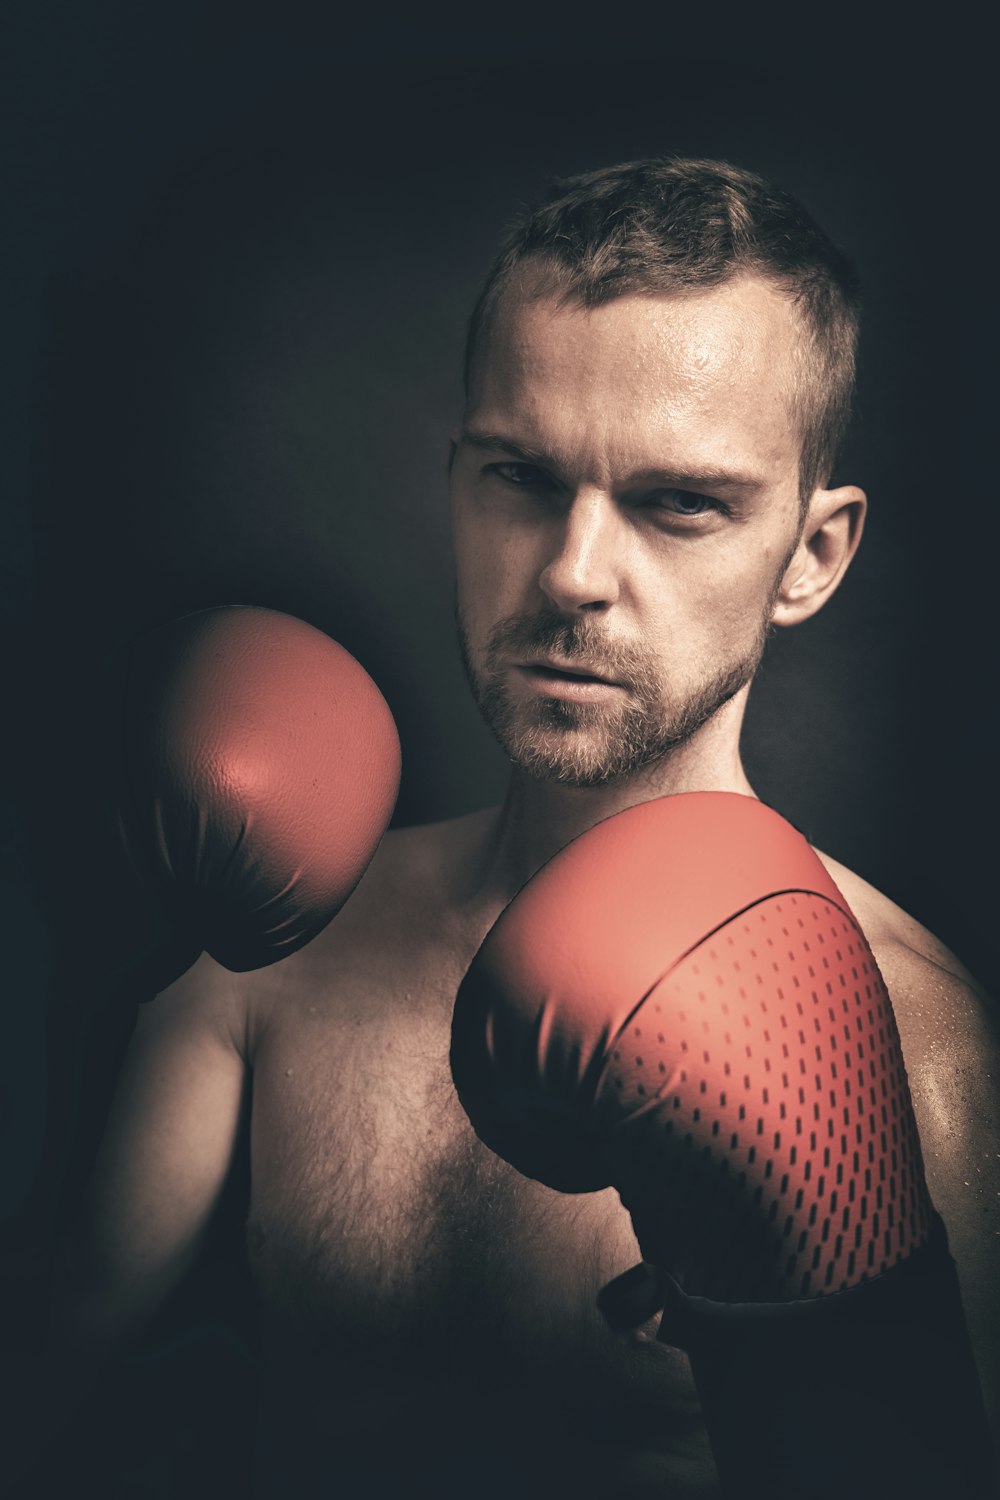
870	1392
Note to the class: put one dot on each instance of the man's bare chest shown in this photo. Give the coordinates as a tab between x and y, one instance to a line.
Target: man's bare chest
372	1199
393	1250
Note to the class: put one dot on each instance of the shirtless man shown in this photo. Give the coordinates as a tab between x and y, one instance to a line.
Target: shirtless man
658	376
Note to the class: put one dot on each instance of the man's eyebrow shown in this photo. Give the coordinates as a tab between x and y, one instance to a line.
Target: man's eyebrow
685	477
473	438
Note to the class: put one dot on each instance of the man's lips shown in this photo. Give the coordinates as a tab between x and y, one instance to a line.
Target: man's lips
555	670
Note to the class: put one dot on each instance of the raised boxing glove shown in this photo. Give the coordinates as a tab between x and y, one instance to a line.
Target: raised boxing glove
681	1005
259	769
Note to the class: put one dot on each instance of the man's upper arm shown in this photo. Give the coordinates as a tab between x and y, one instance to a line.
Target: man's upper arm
164	1159
952	1055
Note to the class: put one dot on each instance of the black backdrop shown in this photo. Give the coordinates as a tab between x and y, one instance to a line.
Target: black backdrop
240	259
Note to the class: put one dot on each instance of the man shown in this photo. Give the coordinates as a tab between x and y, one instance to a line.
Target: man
658	375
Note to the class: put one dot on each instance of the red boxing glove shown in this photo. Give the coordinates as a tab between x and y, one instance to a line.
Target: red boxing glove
681	1005
261	767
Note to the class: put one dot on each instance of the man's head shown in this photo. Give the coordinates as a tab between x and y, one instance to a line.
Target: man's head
658	372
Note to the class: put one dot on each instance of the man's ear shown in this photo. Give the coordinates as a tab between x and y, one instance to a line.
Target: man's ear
834	523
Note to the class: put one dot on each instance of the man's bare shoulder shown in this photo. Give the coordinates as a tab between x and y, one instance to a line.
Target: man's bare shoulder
948	1027
909	948
944	1015
420	874
951	1049
409	902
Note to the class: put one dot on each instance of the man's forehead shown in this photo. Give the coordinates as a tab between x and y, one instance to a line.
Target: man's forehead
742	322
712	367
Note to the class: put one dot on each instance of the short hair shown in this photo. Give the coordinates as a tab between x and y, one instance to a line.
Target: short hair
673	225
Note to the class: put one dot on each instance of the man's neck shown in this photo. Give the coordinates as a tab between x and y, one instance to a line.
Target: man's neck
538	818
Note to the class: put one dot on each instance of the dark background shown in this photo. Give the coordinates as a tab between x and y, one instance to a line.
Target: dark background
240	252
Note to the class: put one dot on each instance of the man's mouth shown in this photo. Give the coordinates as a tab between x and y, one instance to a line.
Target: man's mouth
565	668
554	672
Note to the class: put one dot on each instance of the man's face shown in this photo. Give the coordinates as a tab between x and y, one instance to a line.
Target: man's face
625	501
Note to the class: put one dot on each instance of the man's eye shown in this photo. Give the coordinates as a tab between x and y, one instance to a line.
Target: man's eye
524	475
683	502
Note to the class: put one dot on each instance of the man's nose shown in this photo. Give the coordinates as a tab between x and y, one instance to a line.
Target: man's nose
583	572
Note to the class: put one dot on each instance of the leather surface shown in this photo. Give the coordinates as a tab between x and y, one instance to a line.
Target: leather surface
681	1005
260	769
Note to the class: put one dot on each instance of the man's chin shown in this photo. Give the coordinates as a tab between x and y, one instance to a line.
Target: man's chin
573	757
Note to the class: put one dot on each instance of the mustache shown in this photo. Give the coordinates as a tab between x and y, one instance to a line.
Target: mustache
574	638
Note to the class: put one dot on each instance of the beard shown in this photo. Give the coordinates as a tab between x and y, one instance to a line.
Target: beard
594	744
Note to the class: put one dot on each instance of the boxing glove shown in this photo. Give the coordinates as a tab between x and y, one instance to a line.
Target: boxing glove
681	1005
258	769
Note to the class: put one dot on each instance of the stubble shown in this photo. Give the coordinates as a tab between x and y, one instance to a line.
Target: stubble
594	744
